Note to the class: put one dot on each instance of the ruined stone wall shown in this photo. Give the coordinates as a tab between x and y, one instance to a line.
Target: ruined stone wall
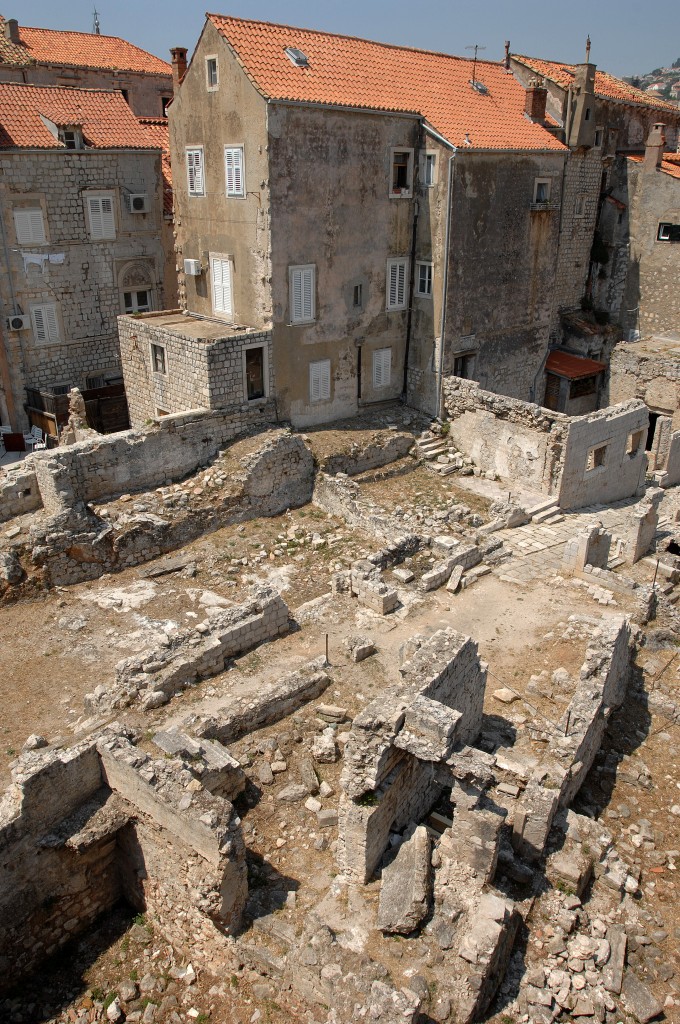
84	277
516	440
19	491
649	371
599	465
199	373
341	497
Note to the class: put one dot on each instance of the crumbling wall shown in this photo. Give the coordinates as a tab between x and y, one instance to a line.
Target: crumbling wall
514	439
604	456
19	491
389	777
577	736
381	449
342	497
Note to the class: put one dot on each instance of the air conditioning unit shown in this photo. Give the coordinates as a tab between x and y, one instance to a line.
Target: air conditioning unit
139	202
192	268
18	322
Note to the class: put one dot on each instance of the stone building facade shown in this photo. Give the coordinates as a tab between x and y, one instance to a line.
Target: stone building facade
75	253
84	60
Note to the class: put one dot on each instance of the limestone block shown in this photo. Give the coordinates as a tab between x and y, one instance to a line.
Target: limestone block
406	885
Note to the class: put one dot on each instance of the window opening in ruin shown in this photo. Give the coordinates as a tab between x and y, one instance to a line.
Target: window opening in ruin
634	443
464	365
587	117
255	373
552	391
653	419
158	363
668	232
597	457
402	173
211	73
424	279
580	208
599	135
584	386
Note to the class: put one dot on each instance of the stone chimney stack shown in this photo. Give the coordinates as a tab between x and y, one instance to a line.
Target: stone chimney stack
507	55
535	100
179	65
12	30
654	147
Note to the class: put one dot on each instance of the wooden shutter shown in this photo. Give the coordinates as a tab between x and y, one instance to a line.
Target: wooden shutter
29	226
102	224
233	158
320	381
302	287
45	322
195	171
221	285
382	367
396	284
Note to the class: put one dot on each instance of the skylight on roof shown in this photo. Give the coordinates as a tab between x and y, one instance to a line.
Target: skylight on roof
297	57
479	87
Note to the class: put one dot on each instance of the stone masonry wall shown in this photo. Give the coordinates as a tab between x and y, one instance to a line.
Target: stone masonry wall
580	201
650	372
19	491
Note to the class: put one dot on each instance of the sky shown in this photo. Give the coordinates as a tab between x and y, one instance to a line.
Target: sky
628	38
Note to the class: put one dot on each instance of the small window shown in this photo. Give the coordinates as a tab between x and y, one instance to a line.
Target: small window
320	381
126	96
424	278
45	323
382	367
71	137
599	136
635	443
158	363
138	301
430	170
100	216
296	57
233	171
358	296
583	387
397	277
668	233
255	369
220	277
211	73
29	226
542	190
587	117
464	365
302	297
160	413
401	183
597	457
195	171
165	100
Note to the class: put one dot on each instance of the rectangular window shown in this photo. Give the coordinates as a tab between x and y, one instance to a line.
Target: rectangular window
464	365
357	300
635	443
424	279
255	364
45	323
137	301
302	298
401	181
542	190
211	73
668	233
195	171
382	367
599	136
233	170
220	277
29	226
583	387
158	363
100	216
597	457
320	381
397	279
430	170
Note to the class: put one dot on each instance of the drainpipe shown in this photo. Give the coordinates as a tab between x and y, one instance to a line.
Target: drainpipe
445	281
412	276
4	364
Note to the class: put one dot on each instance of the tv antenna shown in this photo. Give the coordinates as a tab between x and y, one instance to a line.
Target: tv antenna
95	22
474	65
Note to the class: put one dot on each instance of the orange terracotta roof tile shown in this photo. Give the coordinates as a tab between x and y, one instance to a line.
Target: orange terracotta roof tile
669	165
566	364
606	85
344	71
156	129
79	49
105	118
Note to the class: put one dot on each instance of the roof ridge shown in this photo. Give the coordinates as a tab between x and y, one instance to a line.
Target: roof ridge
62	88
358	39
89	35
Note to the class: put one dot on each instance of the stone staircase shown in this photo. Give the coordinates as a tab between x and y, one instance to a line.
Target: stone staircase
547	512
440	455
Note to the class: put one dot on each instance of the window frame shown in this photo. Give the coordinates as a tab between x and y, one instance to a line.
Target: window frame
326	395
154	348
429	277
301	269
598	143
52	332
135	291
193	192
394	191
29	210
99	196
212	86
598	456
234	193
395	261
538	183
227	260
467	362
265	371
378	359
664	235
429	162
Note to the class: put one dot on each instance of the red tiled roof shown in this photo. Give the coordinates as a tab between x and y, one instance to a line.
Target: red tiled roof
564	364
669	165
106	120
156	129
606	86
79	49
344	71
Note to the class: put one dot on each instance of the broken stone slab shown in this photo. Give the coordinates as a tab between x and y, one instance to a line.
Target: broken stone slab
612	974
308	775
168	565
638	999
454	579
360	648
154	699
572	868
505	695
324	748
406	885
327	817
331	713
292	794
403	575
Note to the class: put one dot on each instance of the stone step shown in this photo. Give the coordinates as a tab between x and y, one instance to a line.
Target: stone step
545	515
542	506
559	518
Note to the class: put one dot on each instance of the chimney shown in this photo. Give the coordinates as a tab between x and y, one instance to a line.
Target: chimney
507	55
12	30
179	65
535	100
654	147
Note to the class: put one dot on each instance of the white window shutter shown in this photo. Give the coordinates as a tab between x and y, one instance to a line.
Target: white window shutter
296	302
39	324
221	285
195	171
393	285
401	285
308	293
320	381
108	225
51	322
396	283
302	294
29	226
45	323
233	158
96	220
191	172
382	367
